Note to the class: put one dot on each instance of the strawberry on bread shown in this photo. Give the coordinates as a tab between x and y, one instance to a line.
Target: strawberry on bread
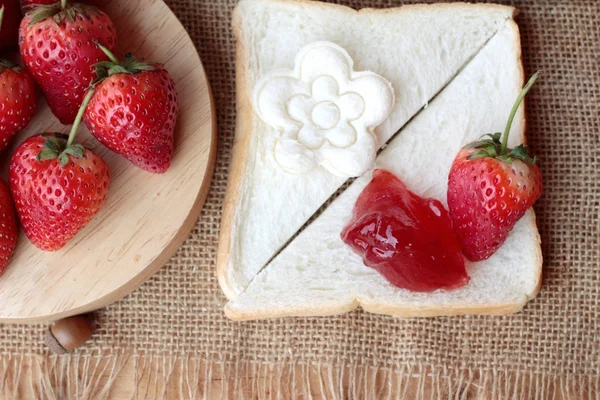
134	110
490	187
8	226
57	186
58	47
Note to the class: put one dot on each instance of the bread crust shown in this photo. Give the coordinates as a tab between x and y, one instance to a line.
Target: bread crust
402	8
539	256
241	144
385	309
245	122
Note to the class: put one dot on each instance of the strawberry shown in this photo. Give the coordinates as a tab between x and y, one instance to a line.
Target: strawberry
134	111
490	187
18	101
58	47
57	186
10	17
8	227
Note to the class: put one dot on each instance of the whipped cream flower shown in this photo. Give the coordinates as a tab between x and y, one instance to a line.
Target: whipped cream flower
324	112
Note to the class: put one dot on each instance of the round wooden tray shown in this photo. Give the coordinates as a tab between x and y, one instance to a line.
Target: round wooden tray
146	217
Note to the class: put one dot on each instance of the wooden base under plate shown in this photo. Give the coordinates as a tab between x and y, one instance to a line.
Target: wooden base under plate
146	217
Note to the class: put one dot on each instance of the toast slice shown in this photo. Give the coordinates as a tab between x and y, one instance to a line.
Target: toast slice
418	48
317	274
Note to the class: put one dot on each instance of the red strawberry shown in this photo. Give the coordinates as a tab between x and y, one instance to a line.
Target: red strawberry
10	17
8	227
134	111
18	101
57	186
59	49
490	187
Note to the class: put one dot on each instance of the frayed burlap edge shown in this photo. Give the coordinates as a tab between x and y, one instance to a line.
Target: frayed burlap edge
138	377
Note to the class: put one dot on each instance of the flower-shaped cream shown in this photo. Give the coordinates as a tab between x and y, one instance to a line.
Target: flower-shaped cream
324	112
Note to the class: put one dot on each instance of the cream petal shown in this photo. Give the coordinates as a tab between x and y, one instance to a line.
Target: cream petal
311	137
325	88
380	95
349	162
271	100
342	136
351	105
324	58
294	157
299	108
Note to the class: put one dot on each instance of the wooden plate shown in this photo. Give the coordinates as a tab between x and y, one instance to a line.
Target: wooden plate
146	217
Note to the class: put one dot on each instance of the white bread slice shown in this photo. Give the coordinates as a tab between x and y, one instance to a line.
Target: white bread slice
417	48
317	274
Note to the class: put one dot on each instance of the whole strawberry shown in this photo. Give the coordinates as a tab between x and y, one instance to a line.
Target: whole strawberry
10	17
490	187
134	111
58	46
18	101
57	186
8	227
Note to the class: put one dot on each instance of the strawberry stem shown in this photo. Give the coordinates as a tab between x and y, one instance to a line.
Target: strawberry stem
80	113
1	15
513	112
63	4
108	53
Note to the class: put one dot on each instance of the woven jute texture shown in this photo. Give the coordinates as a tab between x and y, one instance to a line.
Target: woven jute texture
550	350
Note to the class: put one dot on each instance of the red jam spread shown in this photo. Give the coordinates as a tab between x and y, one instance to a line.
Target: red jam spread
407	238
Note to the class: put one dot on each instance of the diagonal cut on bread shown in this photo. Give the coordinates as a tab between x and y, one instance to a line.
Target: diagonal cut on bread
317	274
418	48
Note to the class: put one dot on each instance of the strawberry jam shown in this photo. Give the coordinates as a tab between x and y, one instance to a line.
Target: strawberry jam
407	238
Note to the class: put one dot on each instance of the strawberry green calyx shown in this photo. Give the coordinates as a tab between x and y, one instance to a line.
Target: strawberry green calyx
56	146
130	65
61	146
59	11
8	64
497	144
5	64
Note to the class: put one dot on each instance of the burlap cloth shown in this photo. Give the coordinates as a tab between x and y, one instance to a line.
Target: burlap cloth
551	348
